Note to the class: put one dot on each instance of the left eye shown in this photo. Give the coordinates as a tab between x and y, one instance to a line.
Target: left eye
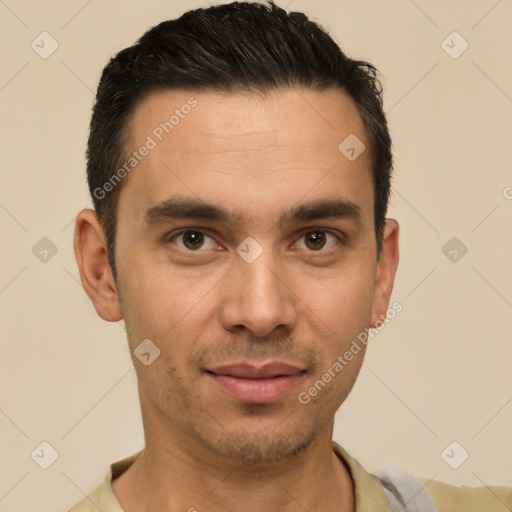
195	241
317	240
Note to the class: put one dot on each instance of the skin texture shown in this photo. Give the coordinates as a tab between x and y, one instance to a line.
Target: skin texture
299	303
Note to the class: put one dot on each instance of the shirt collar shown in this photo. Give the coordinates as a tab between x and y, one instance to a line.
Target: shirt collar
368	491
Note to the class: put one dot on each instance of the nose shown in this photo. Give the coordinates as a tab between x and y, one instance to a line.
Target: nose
258	298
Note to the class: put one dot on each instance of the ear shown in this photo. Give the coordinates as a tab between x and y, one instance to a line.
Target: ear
386	270
91	255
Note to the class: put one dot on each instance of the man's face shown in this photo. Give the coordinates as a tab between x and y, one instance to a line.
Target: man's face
240	338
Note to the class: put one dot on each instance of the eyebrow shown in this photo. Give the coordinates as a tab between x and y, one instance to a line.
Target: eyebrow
189	208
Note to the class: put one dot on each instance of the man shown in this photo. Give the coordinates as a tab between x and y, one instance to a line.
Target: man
239	165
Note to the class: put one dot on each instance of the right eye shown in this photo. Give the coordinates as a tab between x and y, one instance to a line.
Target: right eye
193	240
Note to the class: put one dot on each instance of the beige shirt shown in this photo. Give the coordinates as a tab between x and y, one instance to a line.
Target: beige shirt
368	493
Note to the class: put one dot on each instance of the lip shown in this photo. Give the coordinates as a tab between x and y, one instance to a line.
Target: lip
257	384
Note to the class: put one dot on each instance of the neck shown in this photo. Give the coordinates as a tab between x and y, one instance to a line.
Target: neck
176	472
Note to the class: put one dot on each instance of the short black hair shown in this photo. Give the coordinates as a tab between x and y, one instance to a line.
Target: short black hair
241	46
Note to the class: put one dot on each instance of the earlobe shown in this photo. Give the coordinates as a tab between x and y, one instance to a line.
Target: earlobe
386	271
91	255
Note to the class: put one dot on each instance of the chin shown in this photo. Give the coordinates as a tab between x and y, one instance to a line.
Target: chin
263	445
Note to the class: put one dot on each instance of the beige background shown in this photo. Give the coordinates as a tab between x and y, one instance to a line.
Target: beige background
441	371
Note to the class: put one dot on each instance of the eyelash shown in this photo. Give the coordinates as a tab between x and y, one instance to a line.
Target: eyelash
341	238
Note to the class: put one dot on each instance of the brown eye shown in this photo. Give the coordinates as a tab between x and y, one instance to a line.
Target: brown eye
315	240
193	240
318	240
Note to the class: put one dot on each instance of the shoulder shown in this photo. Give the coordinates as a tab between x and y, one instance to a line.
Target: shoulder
100	498
103	498
453	498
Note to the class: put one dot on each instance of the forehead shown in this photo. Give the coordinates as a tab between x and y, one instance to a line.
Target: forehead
245	149
268	118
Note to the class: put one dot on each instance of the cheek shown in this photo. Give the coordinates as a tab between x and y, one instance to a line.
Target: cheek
343	301
169	310
157	297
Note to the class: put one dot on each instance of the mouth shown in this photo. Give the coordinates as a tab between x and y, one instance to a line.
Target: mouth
249	383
